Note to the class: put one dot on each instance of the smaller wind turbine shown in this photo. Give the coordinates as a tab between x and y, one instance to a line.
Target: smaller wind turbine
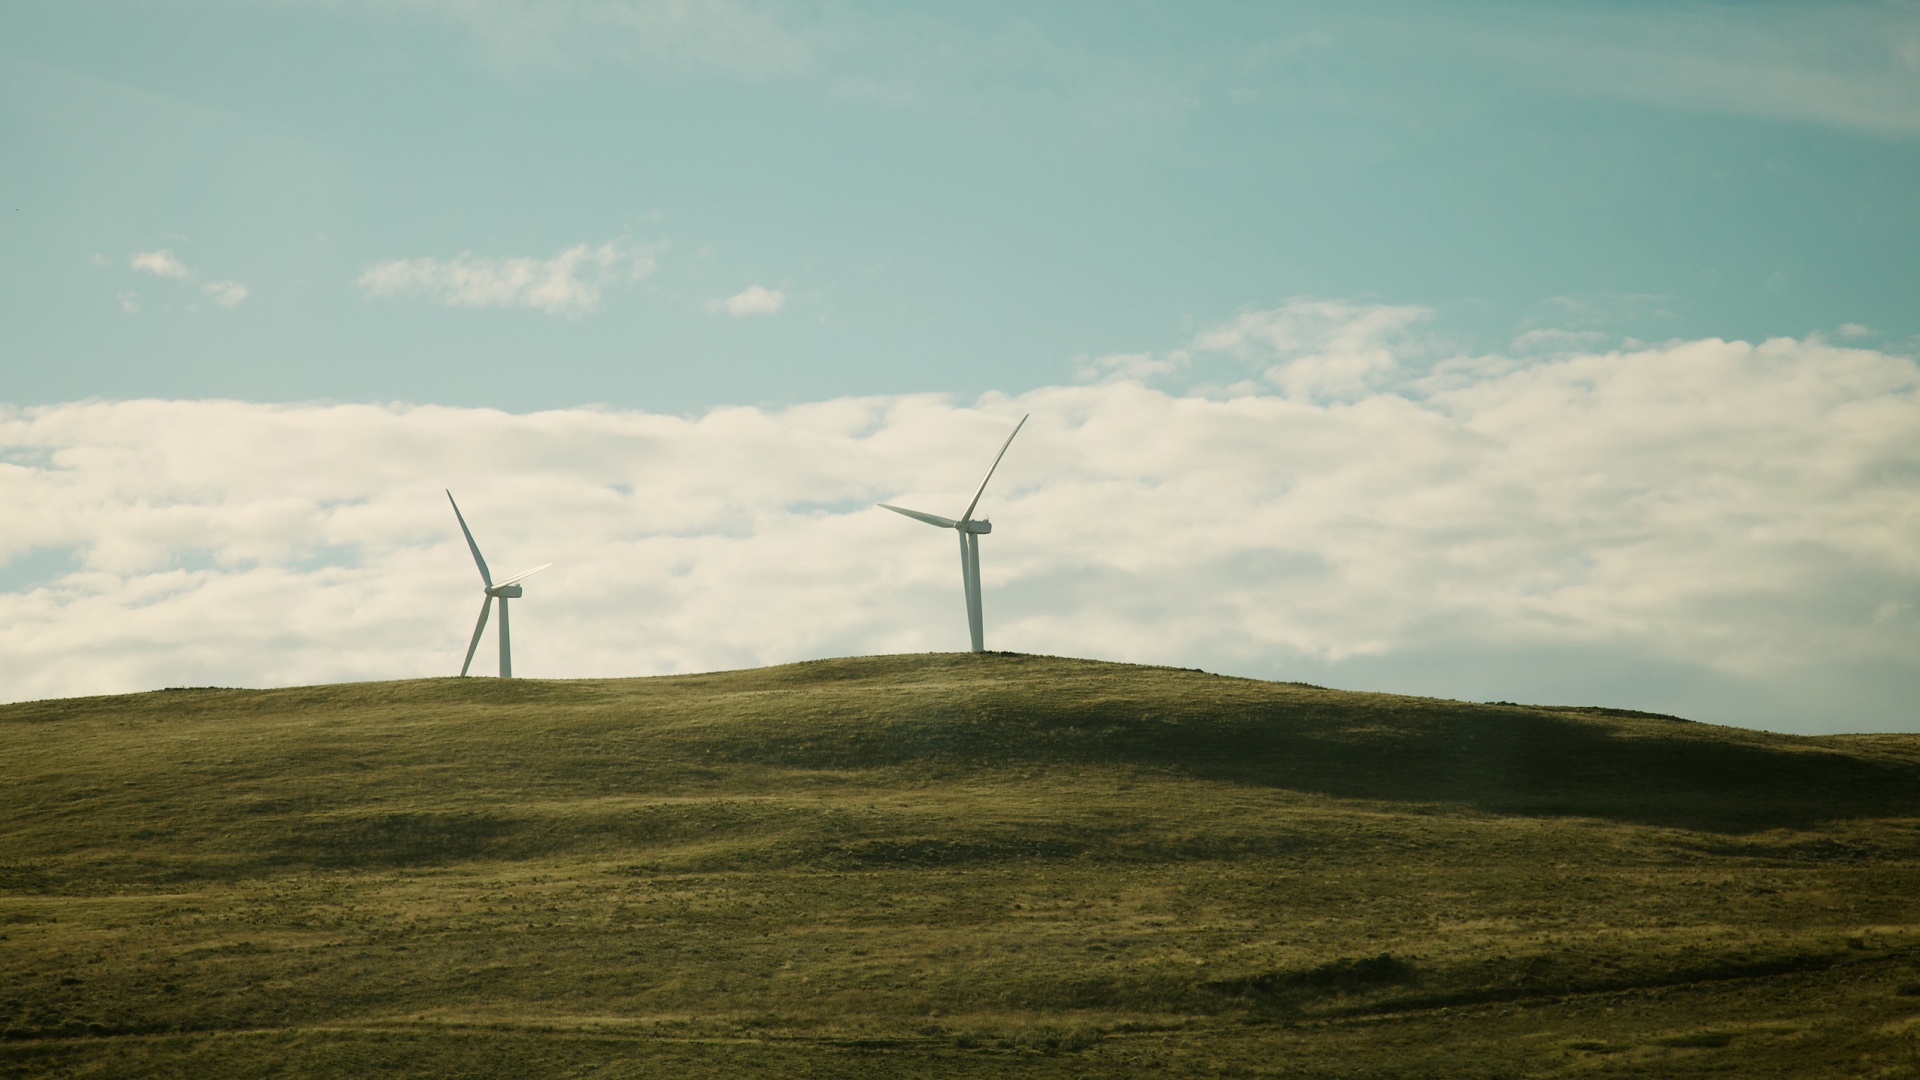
970	531
506	590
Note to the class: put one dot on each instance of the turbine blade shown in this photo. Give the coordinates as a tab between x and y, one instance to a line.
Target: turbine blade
931	519
485	607
471	546
524	575
968	516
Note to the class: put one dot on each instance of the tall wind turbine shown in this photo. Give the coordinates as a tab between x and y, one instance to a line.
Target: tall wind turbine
970	532
506	590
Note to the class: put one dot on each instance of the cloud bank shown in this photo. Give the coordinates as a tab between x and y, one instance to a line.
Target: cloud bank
567	284
1726	530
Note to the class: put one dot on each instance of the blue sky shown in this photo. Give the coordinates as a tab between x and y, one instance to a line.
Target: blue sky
951	198
1548	352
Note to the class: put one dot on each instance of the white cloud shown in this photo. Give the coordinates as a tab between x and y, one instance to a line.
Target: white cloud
1143	365
164	263
161	263
1311	349
567	284
753	300
1853	331
1550	340
225	293
1700	514
1320	349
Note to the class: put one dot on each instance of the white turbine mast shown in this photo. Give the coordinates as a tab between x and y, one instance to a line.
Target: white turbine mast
506	590
970	532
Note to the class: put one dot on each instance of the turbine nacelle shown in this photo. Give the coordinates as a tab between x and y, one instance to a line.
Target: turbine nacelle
510	588
980	527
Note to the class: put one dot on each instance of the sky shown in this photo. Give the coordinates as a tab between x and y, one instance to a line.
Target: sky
1558	353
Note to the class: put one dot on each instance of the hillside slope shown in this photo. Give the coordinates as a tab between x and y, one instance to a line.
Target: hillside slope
943	864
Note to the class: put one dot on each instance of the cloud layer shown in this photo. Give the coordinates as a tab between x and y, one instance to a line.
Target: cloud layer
1721	515
567	284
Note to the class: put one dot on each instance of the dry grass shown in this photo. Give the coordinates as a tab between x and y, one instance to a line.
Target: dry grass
943	865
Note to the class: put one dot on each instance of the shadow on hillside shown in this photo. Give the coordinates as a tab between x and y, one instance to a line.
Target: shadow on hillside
1496	758
1521	762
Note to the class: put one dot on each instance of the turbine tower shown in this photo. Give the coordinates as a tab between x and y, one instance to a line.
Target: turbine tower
506	590
970	532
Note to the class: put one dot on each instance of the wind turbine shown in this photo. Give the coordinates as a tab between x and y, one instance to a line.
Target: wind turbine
506	590
970	532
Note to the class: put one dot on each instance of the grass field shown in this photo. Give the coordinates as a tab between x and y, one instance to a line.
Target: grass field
944	865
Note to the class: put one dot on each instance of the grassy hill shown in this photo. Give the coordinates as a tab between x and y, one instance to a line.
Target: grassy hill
944	865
